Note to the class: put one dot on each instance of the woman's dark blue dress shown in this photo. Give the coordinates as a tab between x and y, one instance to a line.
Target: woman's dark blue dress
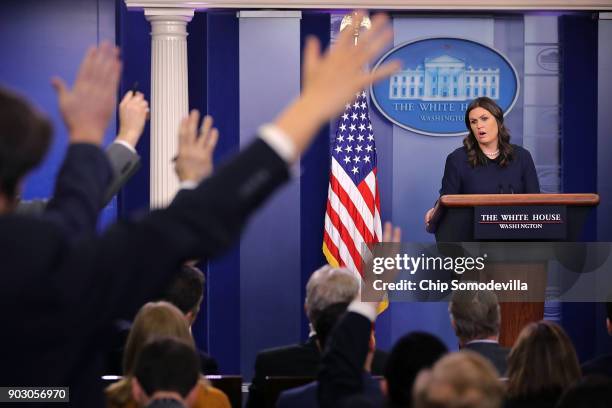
518	177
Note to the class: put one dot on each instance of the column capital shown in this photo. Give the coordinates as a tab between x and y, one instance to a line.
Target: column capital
170	22
169	14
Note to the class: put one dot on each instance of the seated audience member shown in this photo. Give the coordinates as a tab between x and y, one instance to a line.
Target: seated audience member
464	379
306	396
158	319
590	392
475	317
541	366
326	286
340	378
409	355
185	291
70	291
601	365
166	374
122	155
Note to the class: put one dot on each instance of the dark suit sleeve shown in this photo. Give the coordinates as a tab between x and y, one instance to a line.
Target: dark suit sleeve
530	175
79	189
133	261
31	207
341	375
124	164
451	182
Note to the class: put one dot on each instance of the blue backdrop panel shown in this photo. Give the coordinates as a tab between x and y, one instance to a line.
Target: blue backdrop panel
604	165
314	166
44	39
578	38
270	247
383	132
135	42
508	34
196	54
604	141
222	102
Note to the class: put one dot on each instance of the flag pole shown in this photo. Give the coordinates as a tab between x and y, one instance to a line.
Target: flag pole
356	29
347	20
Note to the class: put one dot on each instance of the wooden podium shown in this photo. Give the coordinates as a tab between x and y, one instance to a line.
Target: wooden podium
478	217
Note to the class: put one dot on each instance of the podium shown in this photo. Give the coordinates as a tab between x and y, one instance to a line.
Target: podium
513	217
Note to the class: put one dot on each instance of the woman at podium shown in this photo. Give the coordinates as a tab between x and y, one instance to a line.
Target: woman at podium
487	163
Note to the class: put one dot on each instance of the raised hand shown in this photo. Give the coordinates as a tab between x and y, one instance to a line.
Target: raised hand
391	240
335	77
133	112
332	79
194	160
88	106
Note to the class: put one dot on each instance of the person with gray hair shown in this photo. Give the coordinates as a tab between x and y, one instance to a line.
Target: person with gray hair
475	317
325	287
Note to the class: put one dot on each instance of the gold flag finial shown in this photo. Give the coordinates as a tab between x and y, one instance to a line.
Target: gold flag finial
348	20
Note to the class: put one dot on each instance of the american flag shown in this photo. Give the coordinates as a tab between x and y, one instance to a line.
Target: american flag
352	217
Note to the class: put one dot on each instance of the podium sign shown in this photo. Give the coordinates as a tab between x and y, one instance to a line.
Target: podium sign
535	217
534	222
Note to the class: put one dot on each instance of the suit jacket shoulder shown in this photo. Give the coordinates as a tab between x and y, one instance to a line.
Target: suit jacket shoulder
31	207
124	163
494	352
598	366
296	360
299	397
459	154
300	360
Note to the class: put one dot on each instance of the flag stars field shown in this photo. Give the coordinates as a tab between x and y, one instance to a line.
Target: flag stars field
352	217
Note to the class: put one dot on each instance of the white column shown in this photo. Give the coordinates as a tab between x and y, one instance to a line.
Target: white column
169	96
